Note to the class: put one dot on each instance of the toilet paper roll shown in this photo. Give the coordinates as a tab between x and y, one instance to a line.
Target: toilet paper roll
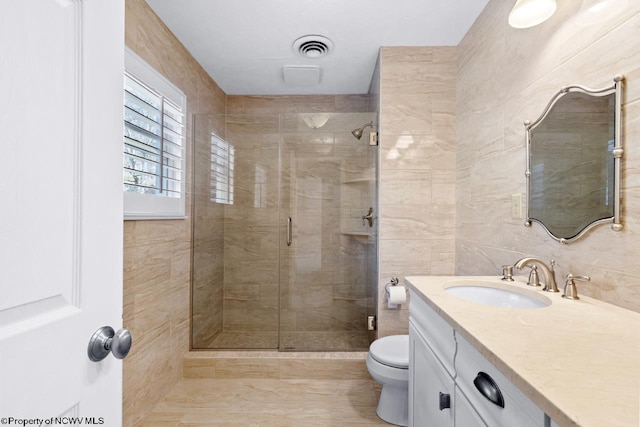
397	295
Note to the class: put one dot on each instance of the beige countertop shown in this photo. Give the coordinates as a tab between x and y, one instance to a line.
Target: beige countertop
577	360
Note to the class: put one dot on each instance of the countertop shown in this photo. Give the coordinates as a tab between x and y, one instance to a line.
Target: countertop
577	360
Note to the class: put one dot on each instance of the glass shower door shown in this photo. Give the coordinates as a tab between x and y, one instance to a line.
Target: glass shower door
235	232
328	251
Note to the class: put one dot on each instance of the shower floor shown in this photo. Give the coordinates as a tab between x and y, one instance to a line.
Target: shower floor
270	389
292	341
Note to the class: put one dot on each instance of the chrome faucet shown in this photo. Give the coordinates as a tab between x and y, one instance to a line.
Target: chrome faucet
549	275
368	217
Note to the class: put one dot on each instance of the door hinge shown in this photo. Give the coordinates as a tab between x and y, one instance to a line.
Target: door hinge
371	323
373	138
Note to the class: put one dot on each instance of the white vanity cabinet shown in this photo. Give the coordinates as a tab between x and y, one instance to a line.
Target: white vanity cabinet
432	395
466	415
443	367
431	387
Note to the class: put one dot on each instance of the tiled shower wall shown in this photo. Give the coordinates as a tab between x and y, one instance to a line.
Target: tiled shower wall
506	76
208	237
327	185
251	238
157	253
417	169
250	282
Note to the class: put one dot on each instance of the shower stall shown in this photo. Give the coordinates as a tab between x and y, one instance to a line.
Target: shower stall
285	231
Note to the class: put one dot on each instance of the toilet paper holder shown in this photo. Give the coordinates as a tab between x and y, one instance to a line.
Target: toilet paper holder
396	295
394	282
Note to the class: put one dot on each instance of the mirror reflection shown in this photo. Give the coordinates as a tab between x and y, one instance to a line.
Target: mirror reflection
571	162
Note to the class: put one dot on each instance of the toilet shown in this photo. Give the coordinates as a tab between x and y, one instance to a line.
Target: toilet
388	364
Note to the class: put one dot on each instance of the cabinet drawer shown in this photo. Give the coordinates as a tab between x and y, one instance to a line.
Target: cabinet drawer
518	409
434	330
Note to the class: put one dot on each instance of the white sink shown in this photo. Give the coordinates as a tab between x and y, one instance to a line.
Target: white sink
492	294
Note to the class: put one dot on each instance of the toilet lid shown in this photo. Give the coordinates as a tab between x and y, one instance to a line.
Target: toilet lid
392	351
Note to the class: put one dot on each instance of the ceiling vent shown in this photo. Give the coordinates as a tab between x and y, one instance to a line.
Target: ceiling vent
313	46
301	75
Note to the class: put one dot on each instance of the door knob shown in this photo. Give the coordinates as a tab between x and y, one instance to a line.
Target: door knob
106	340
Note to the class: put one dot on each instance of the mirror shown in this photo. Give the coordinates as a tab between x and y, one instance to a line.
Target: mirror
573	162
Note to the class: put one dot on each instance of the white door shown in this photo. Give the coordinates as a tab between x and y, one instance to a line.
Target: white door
61	73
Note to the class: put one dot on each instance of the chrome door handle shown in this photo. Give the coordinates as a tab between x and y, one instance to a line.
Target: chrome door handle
105	340
289	231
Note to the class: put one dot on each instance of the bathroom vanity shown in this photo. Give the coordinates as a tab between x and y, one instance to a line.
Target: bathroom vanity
563	363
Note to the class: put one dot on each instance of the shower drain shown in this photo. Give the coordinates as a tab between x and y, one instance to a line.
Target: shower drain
313	46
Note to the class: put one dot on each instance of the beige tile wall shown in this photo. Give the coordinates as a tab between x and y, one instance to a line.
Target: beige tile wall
417	169
325	189
208	238
251	232
277	104
157	253
506	76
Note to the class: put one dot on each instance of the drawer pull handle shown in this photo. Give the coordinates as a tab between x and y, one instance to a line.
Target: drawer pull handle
445	401
489	389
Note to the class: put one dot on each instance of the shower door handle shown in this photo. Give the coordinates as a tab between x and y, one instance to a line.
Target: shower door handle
289	231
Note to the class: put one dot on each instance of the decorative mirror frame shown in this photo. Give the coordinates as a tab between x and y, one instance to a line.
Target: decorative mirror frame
617	154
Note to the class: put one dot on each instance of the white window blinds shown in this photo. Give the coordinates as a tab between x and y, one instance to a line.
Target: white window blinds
222	164
154	135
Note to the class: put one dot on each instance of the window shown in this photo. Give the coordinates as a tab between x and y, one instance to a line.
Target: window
260	187
154	138
222	162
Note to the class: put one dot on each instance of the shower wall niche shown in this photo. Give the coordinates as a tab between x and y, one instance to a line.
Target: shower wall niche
253	290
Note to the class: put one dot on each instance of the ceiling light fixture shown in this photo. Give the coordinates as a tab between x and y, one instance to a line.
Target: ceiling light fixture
529	13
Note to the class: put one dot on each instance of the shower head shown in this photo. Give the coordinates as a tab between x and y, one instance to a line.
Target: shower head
358	132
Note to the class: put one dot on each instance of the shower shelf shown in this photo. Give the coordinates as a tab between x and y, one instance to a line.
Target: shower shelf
357	180
360	235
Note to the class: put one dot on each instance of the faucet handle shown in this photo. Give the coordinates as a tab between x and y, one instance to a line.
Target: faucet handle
570	290
507	273
534	279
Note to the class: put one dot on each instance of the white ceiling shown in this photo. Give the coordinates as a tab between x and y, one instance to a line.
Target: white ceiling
243	44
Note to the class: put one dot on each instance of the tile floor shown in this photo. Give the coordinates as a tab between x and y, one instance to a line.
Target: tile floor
270	389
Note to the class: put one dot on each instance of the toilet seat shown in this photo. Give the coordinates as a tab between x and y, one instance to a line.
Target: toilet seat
391	351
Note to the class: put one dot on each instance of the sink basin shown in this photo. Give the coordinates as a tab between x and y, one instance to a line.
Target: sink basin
490	294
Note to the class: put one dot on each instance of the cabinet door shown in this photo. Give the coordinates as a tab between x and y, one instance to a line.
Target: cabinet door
428	380
465	415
